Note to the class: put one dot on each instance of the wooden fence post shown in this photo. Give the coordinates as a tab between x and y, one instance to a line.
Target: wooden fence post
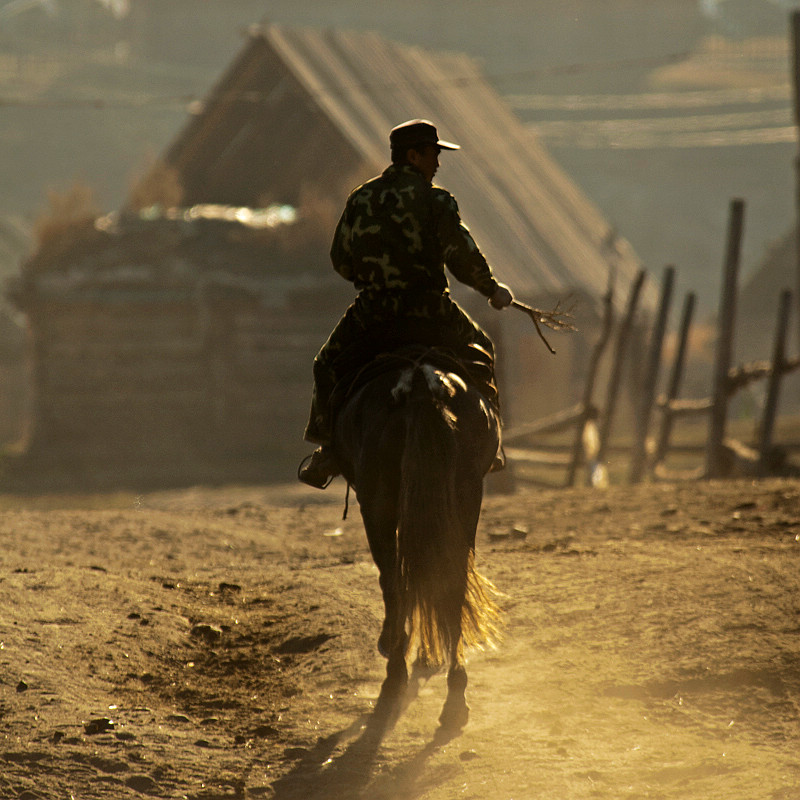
724	348
642	420
616	371
795	25
676	376
588	409
778	368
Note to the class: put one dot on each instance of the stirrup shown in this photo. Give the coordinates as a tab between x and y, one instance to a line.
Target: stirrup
317	480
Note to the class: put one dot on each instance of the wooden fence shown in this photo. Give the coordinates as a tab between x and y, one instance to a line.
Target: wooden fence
592	425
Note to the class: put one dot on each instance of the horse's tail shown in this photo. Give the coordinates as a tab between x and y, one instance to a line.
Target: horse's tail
444	601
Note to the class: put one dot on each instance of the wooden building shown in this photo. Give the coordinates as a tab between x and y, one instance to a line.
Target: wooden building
174	347
150	337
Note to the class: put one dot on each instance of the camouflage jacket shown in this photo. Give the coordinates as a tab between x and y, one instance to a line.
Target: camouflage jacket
397	233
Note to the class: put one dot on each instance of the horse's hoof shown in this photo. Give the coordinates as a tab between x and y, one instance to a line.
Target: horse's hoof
454	716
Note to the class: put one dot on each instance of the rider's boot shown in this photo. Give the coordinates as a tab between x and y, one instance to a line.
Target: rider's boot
320	469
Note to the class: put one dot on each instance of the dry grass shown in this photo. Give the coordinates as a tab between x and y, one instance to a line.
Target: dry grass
73	209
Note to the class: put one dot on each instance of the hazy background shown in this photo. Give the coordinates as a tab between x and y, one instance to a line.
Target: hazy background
90	90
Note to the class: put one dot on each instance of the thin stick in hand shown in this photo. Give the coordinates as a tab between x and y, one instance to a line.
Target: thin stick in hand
556	320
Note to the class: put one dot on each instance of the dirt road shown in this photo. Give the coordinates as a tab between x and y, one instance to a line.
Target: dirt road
221	643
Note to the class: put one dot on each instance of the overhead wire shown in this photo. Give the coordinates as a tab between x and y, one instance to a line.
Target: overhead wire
141	101
580	133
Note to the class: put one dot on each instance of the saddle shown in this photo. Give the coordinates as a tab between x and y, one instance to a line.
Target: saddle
424	340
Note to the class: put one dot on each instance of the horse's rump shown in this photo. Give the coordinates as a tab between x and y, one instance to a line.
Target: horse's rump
391	346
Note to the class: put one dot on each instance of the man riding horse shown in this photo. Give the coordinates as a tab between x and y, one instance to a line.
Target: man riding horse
395	236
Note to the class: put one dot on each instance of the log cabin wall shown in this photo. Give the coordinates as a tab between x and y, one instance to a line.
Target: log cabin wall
118	379
173	367
260	359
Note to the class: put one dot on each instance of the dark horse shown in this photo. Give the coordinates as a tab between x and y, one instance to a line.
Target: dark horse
415	441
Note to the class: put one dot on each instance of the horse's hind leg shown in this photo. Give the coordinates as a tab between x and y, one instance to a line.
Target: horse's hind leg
455	712
380	524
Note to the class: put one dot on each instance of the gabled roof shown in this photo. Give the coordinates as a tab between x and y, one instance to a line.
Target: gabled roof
302	108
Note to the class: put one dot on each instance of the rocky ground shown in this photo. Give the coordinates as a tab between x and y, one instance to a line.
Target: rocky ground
221	643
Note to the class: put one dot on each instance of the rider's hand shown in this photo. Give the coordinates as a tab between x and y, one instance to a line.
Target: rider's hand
502	297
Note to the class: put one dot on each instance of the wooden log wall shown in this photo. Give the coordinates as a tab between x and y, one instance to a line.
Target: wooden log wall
181	376
117	380
260	361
